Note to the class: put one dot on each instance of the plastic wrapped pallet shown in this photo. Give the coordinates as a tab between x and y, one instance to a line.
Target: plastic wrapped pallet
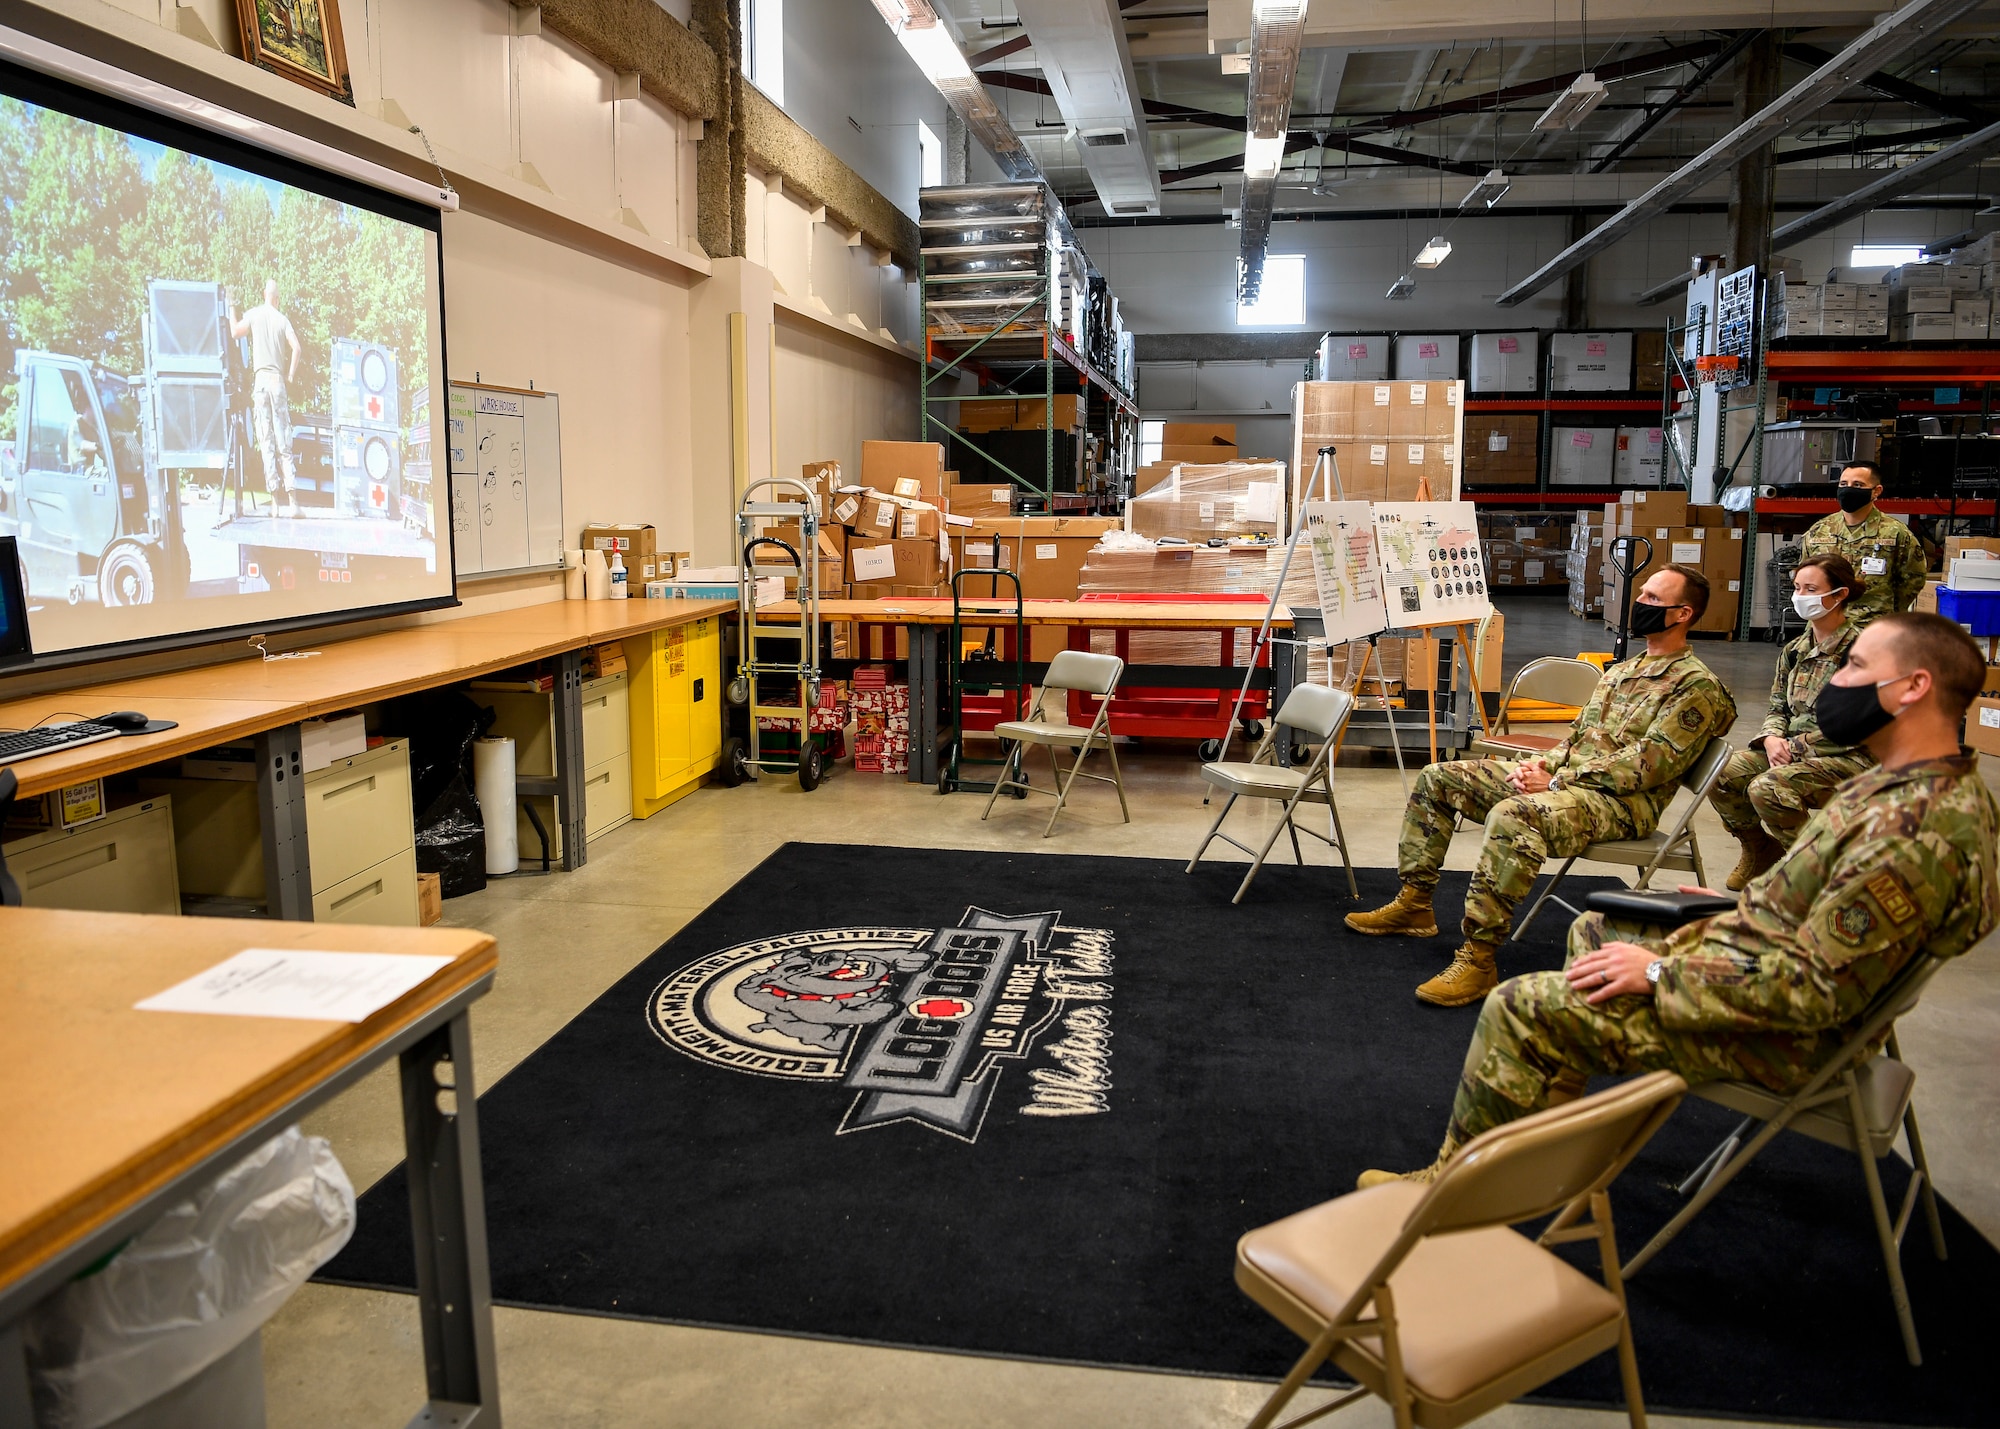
1201	503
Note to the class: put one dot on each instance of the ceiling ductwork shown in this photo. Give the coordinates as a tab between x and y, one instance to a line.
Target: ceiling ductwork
1080	46
929	42
1277	32
1879	45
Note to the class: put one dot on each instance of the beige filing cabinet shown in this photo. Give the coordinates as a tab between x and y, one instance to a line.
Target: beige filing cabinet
122	863
360	838
528	718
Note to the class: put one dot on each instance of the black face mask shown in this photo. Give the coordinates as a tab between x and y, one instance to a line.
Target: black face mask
1650	619
1853	498
1848	714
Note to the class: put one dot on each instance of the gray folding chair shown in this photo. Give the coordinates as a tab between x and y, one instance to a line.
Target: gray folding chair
1673	846
1555	678
1316	713
1071	670
1858	1101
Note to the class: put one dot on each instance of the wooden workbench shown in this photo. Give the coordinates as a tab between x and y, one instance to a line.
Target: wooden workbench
264	699
109	1114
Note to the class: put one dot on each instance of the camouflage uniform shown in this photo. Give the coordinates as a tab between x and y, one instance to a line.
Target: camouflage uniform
1782	797
1646	723
1899	861
1886	556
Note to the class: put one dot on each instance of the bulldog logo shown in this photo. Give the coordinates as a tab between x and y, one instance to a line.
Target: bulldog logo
916	1021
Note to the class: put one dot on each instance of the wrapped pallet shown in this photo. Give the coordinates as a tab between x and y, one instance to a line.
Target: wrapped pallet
1203	503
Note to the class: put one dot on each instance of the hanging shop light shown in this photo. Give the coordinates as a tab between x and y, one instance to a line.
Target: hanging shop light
1433	252
1573	104
1488	191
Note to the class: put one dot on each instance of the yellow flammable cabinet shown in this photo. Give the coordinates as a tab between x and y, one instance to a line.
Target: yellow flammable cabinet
676	693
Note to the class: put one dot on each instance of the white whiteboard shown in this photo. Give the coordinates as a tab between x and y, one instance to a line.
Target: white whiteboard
506	480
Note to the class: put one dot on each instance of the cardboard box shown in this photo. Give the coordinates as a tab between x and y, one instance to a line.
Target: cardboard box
430	899
1590	361
1423	411
895	562
1924	327
1707	515
1582	456
1649	360
1501	450
1956	546
883	464
875	514
916	522
1982	725
962	500
1211	454
631	542
1653	508
1198	434
1021	414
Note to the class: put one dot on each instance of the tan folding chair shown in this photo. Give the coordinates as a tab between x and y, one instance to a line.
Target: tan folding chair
1318	713
1858	1100
1673	846
1070	670
1427	1298
1555	679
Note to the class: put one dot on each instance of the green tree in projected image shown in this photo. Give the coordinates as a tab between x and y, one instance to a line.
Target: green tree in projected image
84	225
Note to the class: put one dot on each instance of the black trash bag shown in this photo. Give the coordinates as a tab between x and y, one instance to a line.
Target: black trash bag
441	726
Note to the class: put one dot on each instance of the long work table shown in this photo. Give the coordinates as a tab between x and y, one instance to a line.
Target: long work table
265	699
928	619
110	1114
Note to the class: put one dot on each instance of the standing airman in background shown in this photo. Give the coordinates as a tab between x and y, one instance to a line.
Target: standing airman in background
1885	553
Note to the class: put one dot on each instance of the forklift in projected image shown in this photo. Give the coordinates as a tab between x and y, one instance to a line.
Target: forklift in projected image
105	472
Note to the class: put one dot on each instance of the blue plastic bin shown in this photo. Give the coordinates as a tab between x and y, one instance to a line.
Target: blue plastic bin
1977	609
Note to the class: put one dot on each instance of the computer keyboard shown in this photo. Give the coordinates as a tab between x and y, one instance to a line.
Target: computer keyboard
49	738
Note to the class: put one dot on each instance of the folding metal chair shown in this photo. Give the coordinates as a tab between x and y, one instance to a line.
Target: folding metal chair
1858	1101
1674	847
1317	713
1428	1298
1070	670
1556	679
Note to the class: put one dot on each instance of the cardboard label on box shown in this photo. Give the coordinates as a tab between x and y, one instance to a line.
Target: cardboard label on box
1047	551
1496	441
847	509
1686	553
1381	396
1419	390
1982	725
1416	453
1379	455
909	486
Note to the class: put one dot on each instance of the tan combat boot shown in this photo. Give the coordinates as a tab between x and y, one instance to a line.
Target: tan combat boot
1760	851
1422	1177
1473	973
1410	913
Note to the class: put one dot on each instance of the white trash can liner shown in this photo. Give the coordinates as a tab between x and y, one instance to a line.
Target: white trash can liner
190	1288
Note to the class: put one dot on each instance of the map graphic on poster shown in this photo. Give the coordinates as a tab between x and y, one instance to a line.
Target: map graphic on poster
1432	570
1341	536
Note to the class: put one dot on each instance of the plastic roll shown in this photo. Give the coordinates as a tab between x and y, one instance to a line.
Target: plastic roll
493	782
573	575
596	576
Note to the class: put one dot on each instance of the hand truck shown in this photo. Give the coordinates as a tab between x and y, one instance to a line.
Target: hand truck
741	760
988	688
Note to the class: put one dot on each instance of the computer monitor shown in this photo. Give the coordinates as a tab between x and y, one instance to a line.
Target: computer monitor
15	647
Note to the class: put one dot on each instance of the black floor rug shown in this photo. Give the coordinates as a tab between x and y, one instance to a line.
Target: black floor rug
1106	1074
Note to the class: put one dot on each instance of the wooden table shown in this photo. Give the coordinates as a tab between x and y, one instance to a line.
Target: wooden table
108	1115
926	618
264	700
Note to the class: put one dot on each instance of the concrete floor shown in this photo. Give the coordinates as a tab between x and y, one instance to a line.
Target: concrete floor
353	1357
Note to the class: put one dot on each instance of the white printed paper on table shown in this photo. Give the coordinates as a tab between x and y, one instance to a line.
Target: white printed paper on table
1341	538
298	983
1433	572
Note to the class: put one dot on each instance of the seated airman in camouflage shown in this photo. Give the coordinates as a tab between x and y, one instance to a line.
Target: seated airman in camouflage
1900	862
1767	792
1650	718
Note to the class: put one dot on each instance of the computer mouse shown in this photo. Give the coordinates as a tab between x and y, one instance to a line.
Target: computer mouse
128	720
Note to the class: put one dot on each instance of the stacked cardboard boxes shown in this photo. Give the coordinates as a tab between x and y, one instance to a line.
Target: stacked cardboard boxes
1678	534
1393	439
1584	566
1525	551
881	722
1501	450
1923	301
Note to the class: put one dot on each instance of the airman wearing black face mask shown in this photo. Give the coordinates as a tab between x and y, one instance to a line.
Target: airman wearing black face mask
1884	553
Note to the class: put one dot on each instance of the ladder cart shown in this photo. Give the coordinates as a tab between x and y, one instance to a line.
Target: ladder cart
987	686
766	686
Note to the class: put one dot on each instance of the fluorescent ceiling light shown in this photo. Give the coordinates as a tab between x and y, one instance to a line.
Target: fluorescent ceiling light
1488	191
1433	253
935	52
1404	287
1583	95
1262	157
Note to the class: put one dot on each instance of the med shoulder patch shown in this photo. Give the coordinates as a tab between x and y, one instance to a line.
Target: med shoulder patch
1888	891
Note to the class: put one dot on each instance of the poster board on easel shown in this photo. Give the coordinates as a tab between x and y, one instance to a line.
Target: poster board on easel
506	479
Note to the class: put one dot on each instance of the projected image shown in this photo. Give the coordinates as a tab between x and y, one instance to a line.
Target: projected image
216	390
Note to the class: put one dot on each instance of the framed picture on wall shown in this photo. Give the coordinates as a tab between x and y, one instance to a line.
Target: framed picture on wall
299	39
